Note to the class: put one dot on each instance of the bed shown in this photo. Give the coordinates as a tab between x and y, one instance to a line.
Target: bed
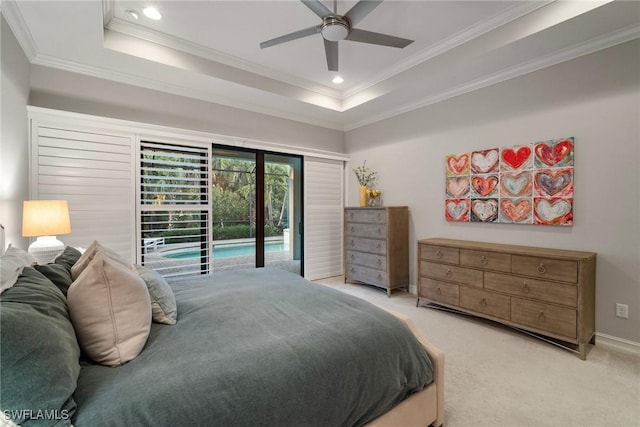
253	347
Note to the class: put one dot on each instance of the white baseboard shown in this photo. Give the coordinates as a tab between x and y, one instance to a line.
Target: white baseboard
618	344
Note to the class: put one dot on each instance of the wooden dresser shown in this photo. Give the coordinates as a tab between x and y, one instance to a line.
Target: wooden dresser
377	246
549	292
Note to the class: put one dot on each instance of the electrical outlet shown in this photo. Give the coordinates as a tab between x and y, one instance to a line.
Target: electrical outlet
622	310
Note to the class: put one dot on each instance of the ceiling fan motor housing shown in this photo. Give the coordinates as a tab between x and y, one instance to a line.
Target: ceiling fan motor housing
335	27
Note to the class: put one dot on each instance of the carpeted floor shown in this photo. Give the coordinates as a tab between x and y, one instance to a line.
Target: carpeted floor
495	376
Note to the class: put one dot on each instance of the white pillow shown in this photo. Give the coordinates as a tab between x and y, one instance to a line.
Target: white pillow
88	255
12	262
110	310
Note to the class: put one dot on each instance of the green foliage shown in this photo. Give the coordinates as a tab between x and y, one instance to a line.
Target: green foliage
231	232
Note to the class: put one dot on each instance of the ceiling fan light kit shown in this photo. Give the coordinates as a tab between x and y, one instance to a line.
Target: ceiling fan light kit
335	28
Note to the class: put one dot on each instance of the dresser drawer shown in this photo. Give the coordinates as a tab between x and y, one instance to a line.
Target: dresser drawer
447	293
532	288
452	273
379	262
558	320
378	216
489	303
487	260
373	231
365	274
440	253
367	245
545	268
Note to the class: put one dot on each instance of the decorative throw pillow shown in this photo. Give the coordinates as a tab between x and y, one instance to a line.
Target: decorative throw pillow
39	353
11	264
59	271
163	302
91	252
111	311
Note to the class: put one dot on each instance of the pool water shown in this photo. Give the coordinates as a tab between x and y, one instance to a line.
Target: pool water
226	250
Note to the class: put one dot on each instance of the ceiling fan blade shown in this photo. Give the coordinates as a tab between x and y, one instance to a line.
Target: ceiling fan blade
331	50
317	7
291	36
364	36
358	12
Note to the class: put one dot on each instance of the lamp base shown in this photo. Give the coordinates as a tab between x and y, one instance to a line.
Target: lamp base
45	249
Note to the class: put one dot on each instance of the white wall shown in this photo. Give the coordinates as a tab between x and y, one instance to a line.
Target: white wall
596	99
14	159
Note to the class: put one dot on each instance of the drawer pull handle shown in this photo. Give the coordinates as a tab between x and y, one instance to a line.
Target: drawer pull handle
483	260
541	316
483	302
541	268
379	231
379	277
449	273
351	242
438	254
439	291
525	288
350	215
379	261
352	257
378	246
352	269
379	216
352	229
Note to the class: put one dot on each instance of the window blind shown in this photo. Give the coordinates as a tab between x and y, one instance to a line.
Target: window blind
324	215
174	208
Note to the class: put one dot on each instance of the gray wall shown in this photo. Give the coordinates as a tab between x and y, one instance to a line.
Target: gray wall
14	159
67	91
595	99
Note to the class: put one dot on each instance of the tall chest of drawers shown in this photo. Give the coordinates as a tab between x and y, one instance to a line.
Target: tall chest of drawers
377	246
549	292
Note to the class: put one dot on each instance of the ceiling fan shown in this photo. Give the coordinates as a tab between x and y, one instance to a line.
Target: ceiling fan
336	27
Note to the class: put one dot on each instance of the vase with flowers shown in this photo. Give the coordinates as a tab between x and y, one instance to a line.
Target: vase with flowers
366	177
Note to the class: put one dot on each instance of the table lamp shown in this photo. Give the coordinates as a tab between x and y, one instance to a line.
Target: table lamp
45	219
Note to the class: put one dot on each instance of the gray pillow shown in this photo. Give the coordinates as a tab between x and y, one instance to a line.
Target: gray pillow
39	353
59	271
12	261
163	302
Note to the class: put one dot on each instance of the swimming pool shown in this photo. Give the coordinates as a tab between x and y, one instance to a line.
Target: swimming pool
226	250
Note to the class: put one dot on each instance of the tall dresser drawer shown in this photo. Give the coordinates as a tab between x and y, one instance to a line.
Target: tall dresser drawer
532	288
367	245
488	260
365	274
557	320
440	254
447	293
379	262
377	231
489	303
545	268
452	273
366	215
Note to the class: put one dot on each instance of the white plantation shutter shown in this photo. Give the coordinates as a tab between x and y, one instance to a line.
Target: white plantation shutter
174	208
323	217
93	171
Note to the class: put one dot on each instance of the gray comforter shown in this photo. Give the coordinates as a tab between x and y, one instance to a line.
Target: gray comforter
259	347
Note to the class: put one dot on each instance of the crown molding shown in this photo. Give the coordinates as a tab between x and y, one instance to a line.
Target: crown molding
149	83
149	35
449	43
19	28
590	46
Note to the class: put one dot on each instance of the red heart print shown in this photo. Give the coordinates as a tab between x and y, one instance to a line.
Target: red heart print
484	186
458	186
458	164
516	212
551	153
457	210
551	182
515	159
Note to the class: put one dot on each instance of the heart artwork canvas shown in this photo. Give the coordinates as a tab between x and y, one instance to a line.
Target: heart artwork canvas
520	184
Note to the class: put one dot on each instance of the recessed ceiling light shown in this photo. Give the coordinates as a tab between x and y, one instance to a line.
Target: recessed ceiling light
152	13
133	14
337	80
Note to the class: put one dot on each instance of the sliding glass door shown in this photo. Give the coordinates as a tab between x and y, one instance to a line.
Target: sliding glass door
256	210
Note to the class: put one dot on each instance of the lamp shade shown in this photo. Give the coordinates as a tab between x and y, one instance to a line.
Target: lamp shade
45	218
